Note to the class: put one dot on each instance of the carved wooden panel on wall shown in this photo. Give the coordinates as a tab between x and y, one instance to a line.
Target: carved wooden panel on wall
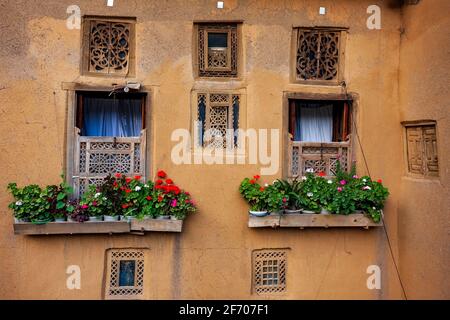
421	150
109	47
218	114
269	271
318	54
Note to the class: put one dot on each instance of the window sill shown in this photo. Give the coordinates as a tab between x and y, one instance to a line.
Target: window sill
101	227
313	221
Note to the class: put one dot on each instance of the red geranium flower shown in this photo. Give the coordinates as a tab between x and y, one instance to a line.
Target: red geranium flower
137	177
261	189
187	193
124	206
379	181
128	180
161	174
187	201
252	181
118	175
158	182
160	198
149	198
256	177
169	181
128	190
322	174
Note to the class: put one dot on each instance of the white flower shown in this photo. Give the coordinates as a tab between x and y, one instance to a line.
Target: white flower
364	180
367	188
329	181
104	198
374	208
310	194
18	203
145	185
304	178
98	194
266	184
137	188
310	170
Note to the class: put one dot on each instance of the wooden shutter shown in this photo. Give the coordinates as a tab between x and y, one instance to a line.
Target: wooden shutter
414	149
430	150
422	150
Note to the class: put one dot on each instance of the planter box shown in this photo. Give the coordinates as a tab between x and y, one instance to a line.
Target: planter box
156	225
313	220
71	228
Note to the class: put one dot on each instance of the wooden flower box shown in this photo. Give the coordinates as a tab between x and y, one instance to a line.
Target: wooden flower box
313	221
87	227
164	225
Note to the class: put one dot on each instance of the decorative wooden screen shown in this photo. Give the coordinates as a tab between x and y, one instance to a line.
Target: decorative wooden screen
217	61
421	150
320	157
125	274
318	54
109	46
269	271
96	157
218	114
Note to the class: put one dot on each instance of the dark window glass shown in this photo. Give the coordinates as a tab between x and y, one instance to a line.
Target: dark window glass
217	40
127	270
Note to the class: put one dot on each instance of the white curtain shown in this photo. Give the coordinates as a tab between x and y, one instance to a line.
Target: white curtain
314	123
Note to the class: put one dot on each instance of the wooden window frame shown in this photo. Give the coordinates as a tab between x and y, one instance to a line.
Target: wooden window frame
202	70
341	59
425	172
85	46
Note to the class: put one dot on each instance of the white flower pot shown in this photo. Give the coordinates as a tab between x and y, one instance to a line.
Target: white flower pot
174	218
324	211
258	213
164	217
292	211
126	218
60	219
308	211
110	218
96	219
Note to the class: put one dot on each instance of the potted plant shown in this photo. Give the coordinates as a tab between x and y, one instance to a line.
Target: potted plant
94	203
311	193
24	201
79	213
262	200
291	190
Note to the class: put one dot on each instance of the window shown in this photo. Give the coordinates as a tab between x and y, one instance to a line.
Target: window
218	118
110	137
125	273
319	54
269	271
217	46
421	148
319	133
108	46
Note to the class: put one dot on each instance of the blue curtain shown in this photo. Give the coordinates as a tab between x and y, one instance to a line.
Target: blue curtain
314	123
111	117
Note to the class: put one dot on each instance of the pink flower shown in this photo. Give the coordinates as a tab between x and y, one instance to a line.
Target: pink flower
355	177
94	203
84	206
173	203
339	189
343	182
284	199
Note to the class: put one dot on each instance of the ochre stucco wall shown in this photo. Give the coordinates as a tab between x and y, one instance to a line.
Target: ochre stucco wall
211	258
424	204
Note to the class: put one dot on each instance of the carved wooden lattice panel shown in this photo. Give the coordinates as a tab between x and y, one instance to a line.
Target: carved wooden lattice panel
318	54
219	116
97	157
214	61
269	271
320	157
125	273
421	150
109	47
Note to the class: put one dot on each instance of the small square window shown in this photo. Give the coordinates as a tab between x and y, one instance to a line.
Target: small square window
125	274
217	46
269	271
421	148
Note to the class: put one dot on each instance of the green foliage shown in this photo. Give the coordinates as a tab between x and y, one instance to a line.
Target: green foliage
292	191
262	198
